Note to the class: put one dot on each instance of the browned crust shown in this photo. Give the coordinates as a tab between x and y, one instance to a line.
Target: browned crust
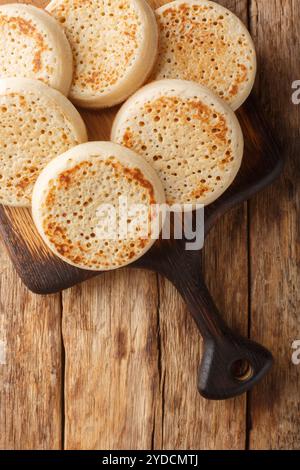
136	175
95	79
186	33
239	80
197	110
186	112
57	234
26	28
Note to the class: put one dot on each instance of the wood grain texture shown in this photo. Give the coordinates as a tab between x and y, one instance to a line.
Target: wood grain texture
111	352
30	396
31	379
274	232
189	422
181	344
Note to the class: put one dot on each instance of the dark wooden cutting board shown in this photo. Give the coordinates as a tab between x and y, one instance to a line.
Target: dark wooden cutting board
231	365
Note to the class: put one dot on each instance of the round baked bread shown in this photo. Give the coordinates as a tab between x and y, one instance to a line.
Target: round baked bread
37	123
34	45
114	47
190	136
75	194
202	41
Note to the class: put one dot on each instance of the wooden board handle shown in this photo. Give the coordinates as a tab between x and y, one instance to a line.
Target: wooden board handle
231	365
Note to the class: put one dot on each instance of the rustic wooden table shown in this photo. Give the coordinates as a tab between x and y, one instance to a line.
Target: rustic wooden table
112	363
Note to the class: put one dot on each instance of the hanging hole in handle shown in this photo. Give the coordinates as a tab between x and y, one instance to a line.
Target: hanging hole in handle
241	370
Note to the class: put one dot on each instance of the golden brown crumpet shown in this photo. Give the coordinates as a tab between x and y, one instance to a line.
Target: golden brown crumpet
114	47
34	45
204	42
37	123
73	199
190	136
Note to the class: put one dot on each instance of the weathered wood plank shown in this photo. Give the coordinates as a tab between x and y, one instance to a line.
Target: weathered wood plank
111	356
31	391
189	422
30	394
274	253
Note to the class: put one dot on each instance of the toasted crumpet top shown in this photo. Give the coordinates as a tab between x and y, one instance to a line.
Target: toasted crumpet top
37	123
204	42
190	136
73	197
114	47
34	45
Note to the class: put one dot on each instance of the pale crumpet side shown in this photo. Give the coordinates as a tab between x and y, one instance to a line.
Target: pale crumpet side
114	47
77	195
34	45
37	123
190	136
202	41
